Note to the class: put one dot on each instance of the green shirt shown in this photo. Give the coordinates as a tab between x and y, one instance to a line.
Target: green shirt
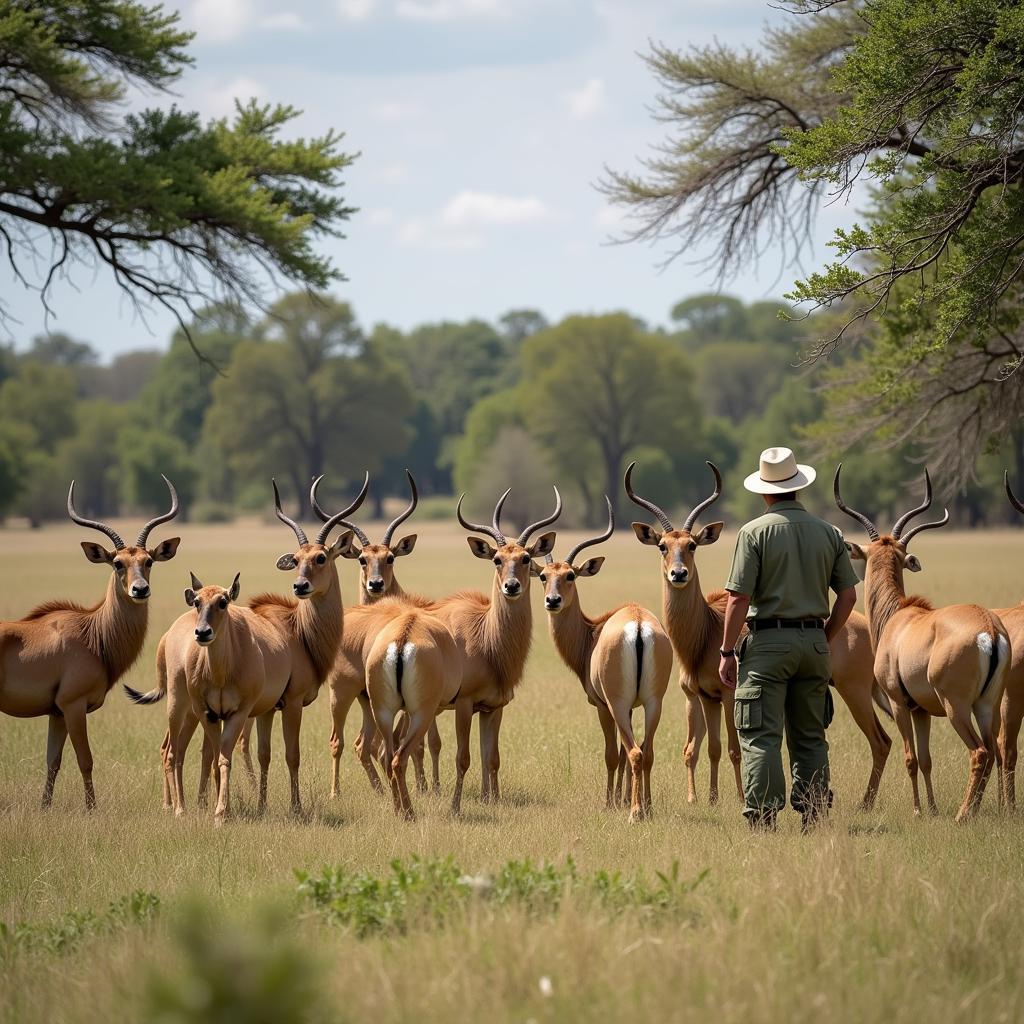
786	561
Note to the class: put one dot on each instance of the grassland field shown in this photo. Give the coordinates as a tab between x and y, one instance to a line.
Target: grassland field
876	917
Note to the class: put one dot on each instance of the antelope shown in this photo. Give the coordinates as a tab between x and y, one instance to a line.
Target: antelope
623	658
311	628
942	662
62	659
377	580
695	624
220	664
493	639
1012	709
412	666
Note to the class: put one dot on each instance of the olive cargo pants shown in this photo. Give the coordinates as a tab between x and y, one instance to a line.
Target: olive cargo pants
783	682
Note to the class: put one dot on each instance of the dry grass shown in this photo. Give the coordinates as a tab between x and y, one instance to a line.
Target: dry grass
875	918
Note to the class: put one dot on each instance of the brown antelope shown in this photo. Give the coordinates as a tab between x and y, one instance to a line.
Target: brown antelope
493	638
376	580
623	658
311	626
220	664
412	666
62	659
942	662
695	624
1012	708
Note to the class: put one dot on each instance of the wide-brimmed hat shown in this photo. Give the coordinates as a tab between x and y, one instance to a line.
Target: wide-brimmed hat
779	473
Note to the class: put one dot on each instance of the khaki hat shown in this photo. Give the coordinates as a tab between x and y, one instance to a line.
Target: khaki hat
779	473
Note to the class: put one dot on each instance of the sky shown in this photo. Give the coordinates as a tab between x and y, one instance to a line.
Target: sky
482	126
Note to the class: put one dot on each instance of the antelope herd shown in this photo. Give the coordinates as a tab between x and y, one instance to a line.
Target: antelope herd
407	658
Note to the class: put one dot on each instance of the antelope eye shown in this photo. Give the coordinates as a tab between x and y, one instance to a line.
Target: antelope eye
391	559
119	565
526	559
692	546
223	602
321	559
497	562
543	577
663	549
149	563
197	603
570	576
362	561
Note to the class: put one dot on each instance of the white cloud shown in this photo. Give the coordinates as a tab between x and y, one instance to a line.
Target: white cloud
419	232
483	209
587	100
356	10
283	21
220	20
220	101
611	218
393	173
445	10
394	110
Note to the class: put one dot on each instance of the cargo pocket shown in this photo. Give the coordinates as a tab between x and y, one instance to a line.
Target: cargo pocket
747	707
821	646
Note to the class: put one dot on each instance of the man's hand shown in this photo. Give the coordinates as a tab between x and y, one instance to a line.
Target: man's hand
727	672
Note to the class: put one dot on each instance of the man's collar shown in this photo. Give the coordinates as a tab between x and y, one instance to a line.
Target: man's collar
778	506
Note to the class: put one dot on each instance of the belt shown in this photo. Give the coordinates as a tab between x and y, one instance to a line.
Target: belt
754	625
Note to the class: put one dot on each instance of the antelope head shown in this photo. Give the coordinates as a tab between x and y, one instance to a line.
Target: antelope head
131	565
315	562
511	558
559	578
377	561
211	605
678	547
894	543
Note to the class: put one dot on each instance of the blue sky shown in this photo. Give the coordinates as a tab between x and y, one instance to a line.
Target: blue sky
482	126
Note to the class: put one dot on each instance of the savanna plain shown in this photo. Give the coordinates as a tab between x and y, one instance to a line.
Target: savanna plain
543	907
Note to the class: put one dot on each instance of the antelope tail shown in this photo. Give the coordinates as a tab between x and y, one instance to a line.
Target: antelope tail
153	697
881	700
994	650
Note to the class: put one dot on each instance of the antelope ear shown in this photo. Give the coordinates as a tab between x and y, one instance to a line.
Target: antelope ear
535	569
481	548
913	563
591	567
342	545
404	546
236	588
190	597
165	550
856	551
543	545
287	561
646	534
97	553
709	534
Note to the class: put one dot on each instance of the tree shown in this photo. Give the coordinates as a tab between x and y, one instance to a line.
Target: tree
925	101
707	318
90	457
145	454
178	211
42	398
307	396
487	420
597	387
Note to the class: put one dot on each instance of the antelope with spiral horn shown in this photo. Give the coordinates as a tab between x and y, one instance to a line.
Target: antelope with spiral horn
931	662
62	659
623	658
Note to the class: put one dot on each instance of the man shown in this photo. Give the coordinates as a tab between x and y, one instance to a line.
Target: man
782	569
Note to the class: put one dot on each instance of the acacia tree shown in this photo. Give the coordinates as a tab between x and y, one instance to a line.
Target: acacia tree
924	100
181	213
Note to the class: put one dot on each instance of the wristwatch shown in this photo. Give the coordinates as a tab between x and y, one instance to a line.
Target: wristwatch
731	653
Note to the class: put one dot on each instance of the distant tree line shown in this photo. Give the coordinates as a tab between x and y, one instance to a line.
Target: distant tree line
470	406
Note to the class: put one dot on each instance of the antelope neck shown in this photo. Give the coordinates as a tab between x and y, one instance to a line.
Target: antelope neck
884	592
575	635
115	630
691	622
319	623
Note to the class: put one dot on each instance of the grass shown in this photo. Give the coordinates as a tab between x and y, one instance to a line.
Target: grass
542	908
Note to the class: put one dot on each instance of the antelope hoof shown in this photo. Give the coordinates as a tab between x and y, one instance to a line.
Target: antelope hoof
713	797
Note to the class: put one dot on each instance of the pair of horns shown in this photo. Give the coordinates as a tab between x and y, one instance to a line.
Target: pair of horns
666	523
901	523
330	522
119	544
389	532
494	530
600	539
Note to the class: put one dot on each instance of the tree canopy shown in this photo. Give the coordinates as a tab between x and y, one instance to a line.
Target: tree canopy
179	212
923	102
